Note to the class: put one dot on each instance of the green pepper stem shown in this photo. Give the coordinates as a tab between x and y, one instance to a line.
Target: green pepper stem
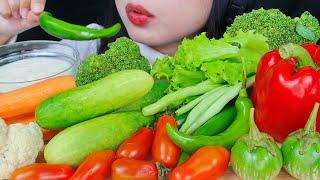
244	74
295	51
254	132
311	123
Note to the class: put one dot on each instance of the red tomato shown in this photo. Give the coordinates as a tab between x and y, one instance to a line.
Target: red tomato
96	166
41	171
130	169
138	146
206	163
164	150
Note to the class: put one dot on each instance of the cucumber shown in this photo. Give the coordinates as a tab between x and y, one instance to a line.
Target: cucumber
73	144
158	91
94	99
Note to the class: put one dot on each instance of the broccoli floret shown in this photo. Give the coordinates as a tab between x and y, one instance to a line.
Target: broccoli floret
122	54
273	24
311	22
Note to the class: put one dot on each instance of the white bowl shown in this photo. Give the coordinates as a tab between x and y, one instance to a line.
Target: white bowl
28	62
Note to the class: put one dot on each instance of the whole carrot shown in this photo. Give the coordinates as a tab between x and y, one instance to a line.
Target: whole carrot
25	100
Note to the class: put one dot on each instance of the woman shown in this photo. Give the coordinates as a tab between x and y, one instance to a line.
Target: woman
160	25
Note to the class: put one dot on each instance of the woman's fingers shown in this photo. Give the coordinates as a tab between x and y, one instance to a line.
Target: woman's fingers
5	10
24	8
14	6
37	6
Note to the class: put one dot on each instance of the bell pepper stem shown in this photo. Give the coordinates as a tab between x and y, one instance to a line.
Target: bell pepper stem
295	51
254	132
311	124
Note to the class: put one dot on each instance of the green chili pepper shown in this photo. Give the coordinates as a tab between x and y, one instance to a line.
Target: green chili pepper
183	157
238	128
256	156
217	123
301	150
64	30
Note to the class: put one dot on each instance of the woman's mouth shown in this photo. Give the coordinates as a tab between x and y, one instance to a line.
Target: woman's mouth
138	15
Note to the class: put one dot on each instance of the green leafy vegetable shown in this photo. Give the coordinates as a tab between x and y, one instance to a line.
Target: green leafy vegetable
200	58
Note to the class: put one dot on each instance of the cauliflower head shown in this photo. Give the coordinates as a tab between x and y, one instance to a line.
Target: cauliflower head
19	146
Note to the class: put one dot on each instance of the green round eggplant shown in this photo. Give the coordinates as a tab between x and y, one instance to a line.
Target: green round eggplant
301	150
256	156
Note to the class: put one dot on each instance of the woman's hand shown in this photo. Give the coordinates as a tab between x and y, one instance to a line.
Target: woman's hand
17	16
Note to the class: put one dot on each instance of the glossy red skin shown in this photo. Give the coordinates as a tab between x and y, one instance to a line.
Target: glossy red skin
284	97
41	171
164	150
96	166
131	169
138	146
206	163
314	51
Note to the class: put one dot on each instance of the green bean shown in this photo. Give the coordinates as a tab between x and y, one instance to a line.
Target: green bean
214	95
216	107
179	95
192	104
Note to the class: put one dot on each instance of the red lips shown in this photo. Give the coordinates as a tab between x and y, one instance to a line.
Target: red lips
138	15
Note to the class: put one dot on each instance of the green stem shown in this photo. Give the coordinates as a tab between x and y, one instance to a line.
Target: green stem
244	74
254	132
311	124
250	81
295	51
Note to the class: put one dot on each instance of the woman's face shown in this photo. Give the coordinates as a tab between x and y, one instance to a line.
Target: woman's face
162	22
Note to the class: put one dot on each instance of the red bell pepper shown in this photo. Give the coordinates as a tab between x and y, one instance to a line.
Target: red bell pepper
286	87
314	52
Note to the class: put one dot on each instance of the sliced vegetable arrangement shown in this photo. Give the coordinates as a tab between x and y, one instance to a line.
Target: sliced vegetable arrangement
186	120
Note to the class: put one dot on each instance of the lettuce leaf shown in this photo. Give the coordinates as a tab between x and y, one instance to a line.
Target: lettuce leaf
220	60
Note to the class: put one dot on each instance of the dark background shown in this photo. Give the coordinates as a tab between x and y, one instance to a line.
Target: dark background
85	12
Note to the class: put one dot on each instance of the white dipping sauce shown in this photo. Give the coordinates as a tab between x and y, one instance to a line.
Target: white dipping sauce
30	69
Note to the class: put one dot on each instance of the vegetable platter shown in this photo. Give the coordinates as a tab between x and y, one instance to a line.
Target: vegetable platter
244	106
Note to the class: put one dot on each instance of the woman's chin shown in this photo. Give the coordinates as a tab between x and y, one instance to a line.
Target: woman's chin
146	38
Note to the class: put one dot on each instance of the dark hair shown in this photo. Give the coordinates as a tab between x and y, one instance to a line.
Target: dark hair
214	27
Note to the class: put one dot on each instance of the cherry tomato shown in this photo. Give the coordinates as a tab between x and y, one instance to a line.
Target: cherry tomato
138	146
130	169
206	163
164	150
96	166
41	171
